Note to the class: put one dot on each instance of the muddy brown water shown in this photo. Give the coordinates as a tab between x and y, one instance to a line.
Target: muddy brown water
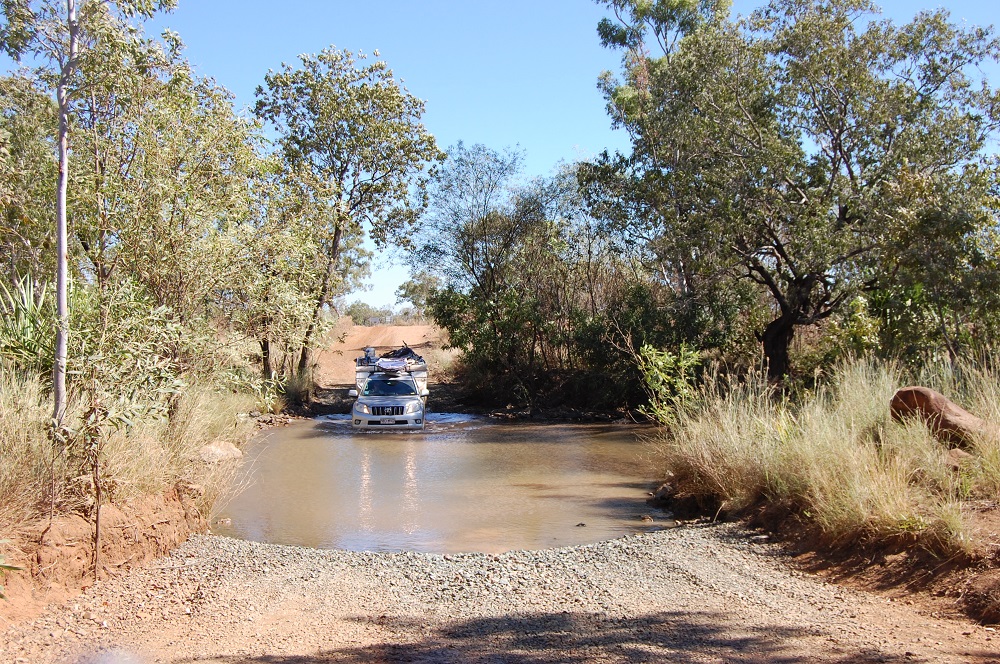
463	484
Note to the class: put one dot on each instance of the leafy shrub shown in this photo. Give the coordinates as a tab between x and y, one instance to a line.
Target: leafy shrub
27	324
670	380
4	568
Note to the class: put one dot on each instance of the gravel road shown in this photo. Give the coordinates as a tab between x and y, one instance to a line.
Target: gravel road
692	594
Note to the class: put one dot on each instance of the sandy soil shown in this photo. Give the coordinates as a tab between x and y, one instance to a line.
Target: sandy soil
335	366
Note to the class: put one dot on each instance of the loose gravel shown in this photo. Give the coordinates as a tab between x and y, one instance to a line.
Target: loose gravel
705	593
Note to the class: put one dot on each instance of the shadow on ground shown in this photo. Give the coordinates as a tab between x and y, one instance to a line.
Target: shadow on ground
572	637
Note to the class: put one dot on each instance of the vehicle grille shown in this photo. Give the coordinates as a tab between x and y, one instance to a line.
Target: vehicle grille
387	410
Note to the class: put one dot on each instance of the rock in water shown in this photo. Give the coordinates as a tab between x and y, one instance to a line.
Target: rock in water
662	495
948	421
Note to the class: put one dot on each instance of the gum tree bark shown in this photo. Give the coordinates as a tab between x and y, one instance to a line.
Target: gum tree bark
62	259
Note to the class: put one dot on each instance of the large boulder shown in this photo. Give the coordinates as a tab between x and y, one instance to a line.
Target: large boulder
948	421
220	450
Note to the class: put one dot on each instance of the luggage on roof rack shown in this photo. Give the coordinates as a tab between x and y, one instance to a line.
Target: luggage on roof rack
398	361
404	353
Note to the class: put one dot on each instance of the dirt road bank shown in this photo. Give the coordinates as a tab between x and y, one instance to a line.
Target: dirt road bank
693	594
335	365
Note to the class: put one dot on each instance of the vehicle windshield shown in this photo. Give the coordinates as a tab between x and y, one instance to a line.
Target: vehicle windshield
389	387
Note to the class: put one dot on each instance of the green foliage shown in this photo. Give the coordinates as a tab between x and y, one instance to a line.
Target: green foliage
353	144
517	263
853	332
361	313
500	337
668	20
944	296
266	393
796	147
127	350
357	132
27	177
670	380
4	568
417	291
27	324
543	297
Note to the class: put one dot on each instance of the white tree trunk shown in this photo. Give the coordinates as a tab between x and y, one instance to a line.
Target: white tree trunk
62	259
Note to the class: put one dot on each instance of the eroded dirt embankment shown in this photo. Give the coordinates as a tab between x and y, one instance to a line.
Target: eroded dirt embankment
57	557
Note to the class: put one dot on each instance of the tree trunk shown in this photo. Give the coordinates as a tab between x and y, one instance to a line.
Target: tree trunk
324	292
304	355
265	357
62	249
776	340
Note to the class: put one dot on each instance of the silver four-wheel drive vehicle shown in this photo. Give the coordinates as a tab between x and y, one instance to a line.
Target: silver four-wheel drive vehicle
391	390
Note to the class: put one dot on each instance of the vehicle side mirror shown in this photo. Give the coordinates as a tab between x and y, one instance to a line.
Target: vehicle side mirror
352	393
424	392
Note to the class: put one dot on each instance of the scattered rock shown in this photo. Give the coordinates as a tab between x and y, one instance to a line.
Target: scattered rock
948	421
957	459
220	450
663	494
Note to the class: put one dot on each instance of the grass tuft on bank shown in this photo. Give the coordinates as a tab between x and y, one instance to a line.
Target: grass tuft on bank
834	458
149	456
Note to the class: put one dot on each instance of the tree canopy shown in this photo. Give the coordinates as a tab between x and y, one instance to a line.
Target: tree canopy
788	146
352	137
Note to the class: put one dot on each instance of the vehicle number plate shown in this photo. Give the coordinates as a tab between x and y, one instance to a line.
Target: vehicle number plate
388	420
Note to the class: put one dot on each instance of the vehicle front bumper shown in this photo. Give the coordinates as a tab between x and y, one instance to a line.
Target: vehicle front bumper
387	422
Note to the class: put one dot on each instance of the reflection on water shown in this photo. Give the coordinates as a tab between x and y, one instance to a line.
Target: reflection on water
464	484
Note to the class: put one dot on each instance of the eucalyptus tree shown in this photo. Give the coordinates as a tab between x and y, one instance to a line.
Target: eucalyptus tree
282	262
417	290
113	117
57	34
27	178
474	225
499	263
195	168
271	301
775	143
354	136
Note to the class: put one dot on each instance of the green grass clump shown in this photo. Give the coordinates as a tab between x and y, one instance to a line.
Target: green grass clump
835	457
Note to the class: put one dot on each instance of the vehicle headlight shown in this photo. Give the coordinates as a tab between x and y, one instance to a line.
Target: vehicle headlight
362	408
413	407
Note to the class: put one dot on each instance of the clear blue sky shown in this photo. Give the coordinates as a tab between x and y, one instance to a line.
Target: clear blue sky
502	73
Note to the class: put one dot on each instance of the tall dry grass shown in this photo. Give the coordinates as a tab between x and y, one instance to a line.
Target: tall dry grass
835	457
147	457
31	470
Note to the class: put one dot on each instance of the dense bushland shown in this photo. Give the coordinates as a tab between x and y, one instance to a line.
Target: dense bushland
165	268
804	184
